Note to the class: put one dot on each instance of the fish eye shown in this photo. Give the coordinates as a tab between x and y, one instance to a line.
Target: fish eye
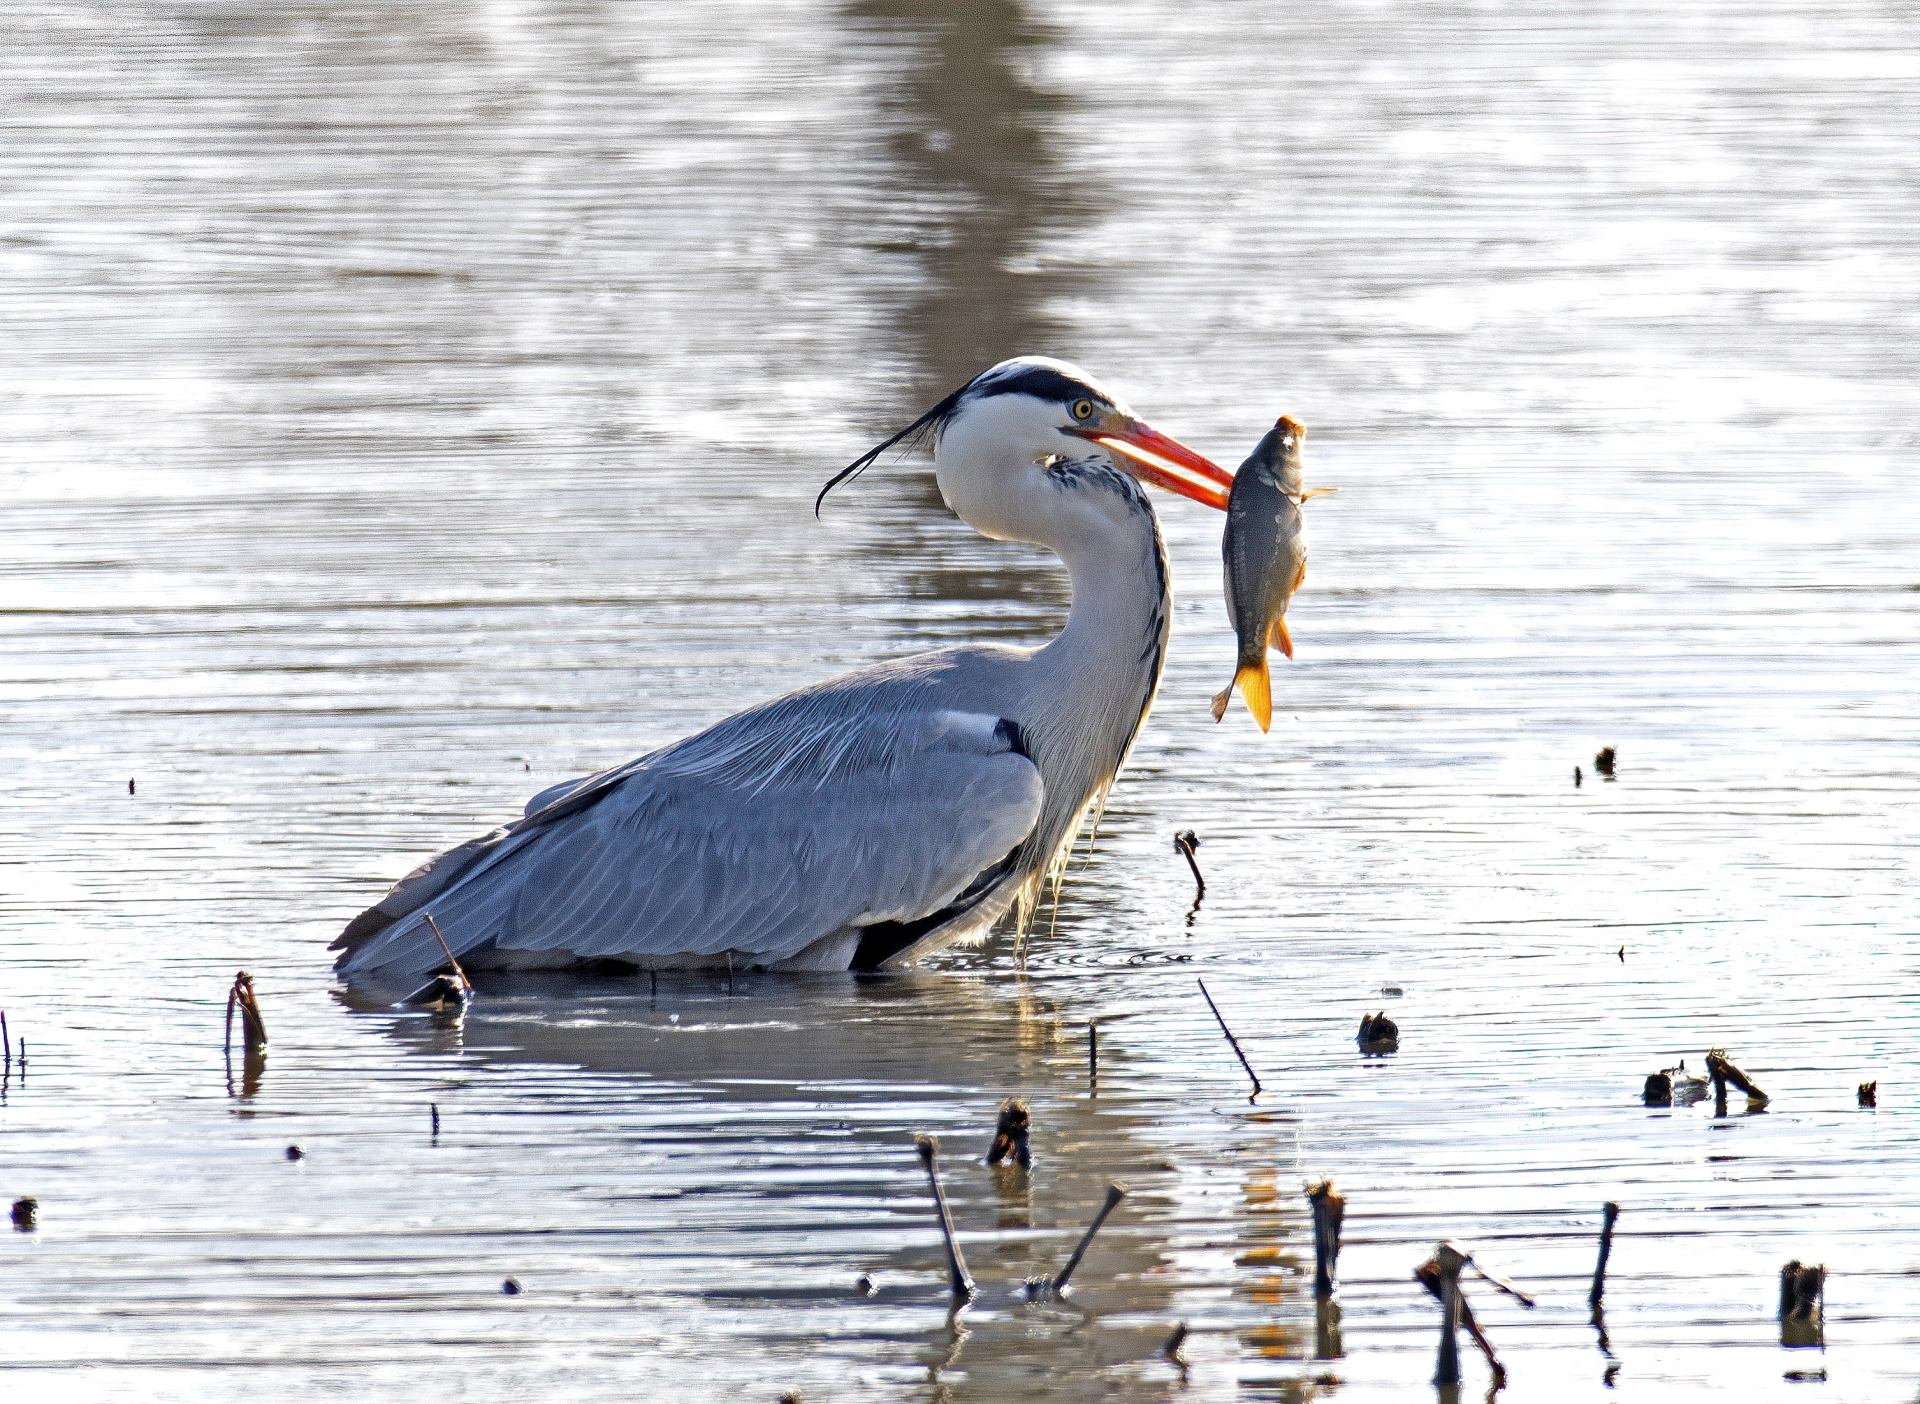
1083	409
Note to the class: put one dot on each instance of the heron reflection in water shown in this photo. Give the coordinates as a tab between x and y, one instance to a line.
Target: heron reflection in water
867	821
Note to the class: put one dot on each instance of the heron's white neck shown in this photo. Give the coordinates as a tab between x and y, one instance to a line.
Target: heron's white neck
1095	680
1120	595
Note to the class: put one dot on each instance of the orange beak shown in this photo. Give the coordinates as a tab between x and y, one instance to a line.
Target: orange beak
1162	461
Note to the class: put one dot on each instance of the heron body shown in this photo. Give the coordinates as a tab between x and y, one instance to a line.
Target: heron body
865	821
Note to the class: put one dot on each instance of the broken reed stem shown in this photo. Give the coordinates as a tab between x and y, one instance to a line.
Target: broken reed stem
434	1107
1010	1135
1428	1274
1231	1039
1610	1213
458	973
6	1044
253	1028
1329	1212
1172	1348
1723	1071
1446	1264
1093	1054
1187	842
1115	1193
1803	1291
958	1277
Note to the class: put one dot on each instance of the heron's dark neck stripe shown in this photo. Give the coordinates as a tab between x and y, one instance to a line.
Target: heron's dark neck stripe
1097	473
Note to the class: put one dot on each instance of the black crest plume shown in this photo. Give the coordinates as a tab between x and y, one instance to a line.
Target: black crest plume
913	436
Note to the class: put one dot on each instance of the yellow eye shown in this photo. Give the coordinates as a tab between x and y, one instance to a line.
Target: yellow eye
1083	409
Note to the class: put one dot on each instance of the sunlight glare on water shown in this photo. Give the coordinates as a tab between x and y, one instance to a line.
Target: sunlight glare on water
409	406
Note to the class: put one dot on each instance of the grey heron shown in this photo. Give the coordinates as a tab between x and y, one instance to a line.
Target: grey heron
866	821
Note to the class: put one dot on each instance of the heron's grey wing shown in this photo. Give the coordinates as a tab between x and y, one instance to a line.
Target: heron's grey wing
778	829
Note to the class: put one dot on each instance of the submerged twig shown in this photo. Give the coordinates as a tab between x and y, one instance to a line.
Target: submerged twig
1093	1054
1172	1348
959	1278
1010	1135
458	973
442	992
1231	1039
1378	1034
1186	841
1115	1193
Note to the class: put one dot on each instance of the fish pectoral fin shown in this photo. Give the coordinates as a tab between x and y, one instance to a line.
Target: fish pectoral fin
1306	493
1277	636
1220	700
1255	686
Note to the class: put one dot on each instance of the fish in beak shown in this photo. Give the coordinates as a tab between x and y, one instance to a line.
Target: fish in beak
1265	552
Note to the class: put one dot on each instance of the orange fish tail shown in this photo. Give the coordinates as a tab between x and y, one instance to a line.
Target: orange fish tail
1255	686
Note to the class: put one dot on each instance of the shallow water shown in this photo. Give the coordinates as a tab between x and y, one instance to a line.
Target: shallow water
407	407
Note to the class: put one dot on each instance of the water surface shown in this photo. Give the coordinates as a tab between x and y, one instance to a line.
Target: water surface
409	406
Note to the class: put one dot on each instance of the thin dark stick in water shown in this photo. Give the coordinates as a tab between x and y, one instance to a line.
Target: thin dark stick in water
1231	1039
6	1043
1329	1212
1502	1283
1093	1054
1610	1213
958	1277
458	973
1115	1193
434	1107
1186	842
233	994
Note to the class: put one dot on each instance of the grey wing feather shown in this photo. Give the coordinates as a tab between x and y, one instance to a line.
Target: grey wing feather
774	829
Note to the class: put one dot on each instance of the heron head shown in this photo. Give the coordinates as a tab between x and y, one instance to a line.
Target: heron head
1026	414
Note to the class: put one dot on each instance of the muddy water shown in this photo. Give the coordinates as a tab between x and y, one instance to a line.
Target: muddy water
409	406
